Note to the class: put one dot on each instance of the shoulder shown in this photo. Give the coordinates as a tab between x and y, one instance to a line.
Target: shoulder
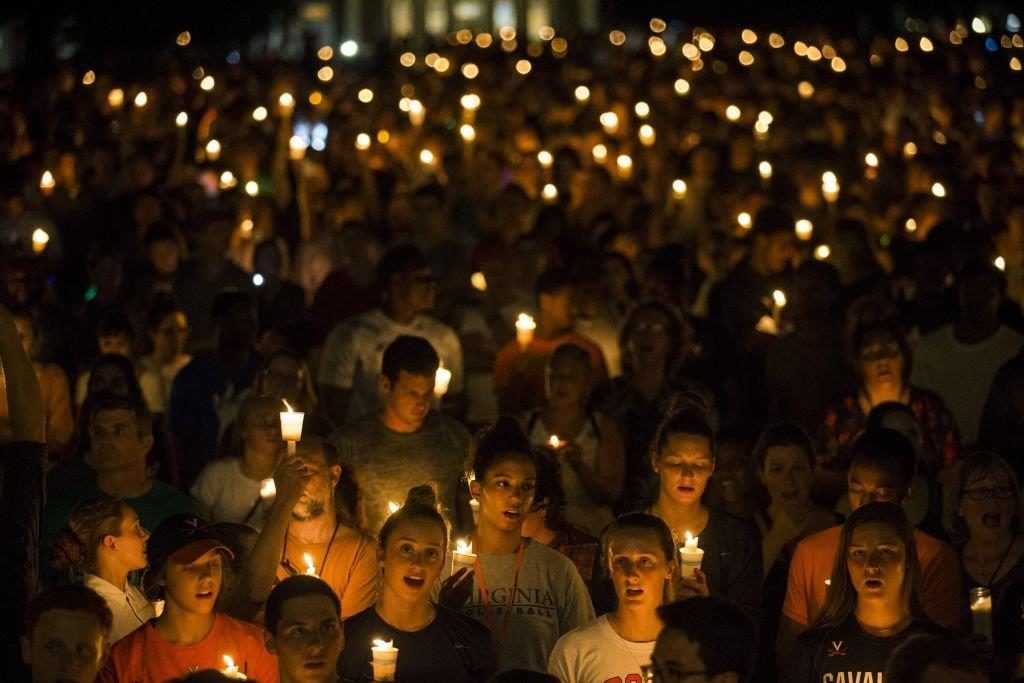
359	621
554	561
449	426
238	628
435	327
357	429
358	540
730	527
821	544
936	339
220	468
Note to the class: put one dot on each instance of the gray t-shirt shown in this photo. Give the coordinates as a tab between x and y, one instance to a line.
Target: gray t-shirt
551	600
387	464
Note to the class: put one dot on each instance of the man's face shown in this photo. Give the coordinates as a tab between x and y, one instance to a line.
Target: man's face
318	496
417	287
116	442
869	484
66	646
308	640
560	307
408	398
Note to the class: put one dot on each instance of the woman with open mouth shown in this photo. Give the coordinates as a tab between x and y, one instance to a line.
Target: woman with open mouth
640	557
528	594
434	643
873	604
682	456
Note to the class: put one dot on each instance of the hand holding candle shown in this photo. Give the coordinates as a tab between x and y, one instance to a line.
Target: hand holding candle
385	660
524	330
691	556
442	378
291	427
462	556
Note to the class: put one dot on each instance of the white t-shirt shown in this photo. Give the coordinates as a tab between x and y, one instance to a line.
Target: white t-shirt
156	381
229	495
595	653
962	374
130	607
354	349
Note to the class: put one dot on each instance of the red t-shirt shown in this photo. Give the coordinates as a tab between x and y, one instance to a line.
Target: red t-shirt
812	565
519	375
145	657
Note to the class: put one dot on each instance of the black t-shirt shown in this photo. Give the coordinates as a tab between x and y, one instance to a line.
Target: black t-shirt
452	648
846	653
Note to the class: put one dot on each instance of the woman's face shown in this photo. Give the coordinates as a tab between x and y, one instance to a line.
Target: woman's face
506	491
194	587
639	569
988	504
170	336
683	467
876	561
733	478
648	342
787	475
261	431
131	544
108	378
567	382
413	558
881	363
283	378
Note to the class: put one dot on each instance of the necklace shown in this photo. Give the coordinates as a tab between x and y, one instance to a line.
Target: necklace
887	630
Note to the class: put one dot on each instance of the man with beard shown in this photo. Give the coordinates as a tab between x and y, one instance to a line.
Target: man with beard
307	533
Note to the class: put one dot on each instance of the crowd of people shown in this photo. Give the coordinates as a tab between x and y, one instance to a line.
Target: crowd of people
673	354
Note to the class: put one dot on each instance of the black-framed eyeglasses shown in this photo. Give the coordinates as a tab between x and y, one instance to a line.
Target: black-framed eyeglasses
985	492
666	673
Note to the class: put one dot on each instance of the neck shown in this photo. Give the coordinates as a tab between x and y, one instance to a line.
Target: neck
881	614
258	465
692	517
111	571
563	420
402	315
884	393
990	546
640	625
404	615
391	421
180	627
547	328
126	482
313	531
489	540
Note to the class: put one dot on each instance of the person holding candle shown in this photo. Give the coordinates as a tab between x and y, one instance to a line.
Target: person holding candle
406	442
231	489
304	632
682	455
66	637
307	520
349	375
527	594
640	557
187	570
519	371
588	443
873	604
105	540
433	642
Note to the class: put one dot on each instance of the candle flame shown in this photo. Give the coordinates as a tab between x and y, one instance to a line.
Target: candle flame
228	662
525	322
690	537
393	507
461	546
384	645
286	405
554	441
310	567
779	297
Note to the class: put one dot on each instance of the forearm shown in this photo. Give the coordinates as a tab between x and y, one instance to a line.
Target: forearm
24	396
261	568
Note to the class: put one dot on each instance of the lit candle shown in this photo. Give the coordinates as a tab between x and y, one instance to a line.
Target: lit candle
678	188
554	442
545	158
981	611
764	169
647	135
478	281
625	165
285	104
692	556
268	489
600	153
231	670
822	252
778	303
47	183
291	427
417	113
181	120
40	238
296	147
213	150
441	379
744	220
393	507
1000	263
463	556
474	508
829	186
385	660
549	193
803	229
524	330
310	566
426	157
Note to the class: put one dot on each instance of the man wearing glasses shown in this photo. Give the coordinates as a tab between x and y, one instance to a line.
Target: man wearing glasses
705	640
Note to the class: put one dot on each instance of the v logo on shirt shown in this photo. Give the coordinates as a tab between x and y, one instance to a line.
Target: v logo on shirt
836	649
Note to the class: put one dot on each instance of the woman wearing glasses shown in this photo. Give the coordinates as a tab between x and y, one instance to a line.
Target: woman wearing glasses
987	525
881	360
873	604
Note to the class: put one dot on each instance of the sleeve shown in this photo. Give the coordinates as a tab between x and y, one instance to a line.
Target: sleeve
339	359
577	609
745	585
798	664
60	425
797	603
559	664
361	590
942	588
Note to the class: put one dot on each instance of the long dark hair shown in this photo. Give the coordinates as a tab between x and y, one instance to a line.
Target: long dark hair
841	599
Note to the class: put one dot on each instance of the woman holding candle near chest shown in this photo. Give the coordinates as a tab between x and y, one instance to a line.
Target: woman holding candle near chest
682	458
433	643
527	594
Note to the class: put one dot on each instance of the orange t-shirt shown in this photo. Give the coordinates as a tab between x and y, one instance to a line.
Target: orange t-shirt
351	567
144	656
812	565
519	375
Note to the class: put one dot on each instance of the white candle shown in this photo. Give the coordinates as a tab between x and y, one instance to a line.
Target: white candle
778	303
829	186
385	660
554	441
804	229
393	507
981	611
479	281
524	330
291	427
442	378
692	556
463	556
47	183
268	489
231	670
40	238
310	566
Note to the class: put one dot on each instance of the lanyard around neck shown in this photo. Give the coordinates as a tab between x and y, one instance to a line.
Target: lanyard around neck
481	580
